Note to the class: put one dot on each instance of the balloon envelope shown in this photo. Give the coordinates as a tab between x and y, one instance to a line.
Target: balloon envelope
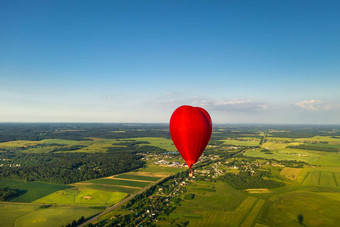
206	114
190	130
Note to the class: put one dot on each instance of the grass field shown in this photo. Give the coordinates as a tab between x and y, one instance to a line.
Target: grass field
316	209
10	212
327	179
328	139
137	177
290	173
31	190
19	143
244	215
161	142
217	204
312	178
27	215
91	145
157	171
279	150
65	142
110	188
250	218
326	158
107	181
83	196
321	178
286	154
243	143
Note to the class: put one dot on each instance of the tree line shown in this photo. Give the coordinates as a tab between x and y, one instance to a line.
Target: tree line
245	180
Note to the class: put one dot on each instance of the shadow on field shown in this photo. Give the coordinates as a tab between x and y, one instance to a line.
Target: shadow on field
300	219
18	192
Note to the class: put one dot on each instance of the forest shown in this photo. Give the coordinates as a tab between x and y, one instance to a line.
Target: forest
68	168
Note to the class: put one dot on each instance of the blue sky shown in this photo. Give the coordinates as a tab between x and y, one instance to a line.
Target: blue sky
137	61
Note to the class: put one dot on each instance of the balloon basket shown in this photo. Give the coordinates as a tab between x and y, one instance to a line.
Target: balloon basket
191	173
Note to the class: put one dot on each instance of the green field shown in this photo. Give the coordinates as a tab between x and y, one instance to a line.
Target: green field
316	208
161	142
19	143
291	173
10	212
328	139
250	218
27	215
157	171
242	142
110	188
91	145
83	196
65	142
217	204
286	154
278	147
119	182
312	178
137	177
31	190
321	178
327	179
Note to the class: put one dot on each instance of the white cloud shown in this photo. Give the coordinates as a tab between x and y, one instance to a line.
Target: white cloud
235	105
316	105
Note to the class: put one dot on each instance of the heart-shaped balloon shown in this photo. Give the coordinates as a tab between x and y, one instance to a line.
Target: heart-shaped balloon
190	130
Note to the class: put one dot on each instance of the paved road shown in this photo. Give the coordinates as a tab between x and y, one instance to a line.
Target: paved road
107	210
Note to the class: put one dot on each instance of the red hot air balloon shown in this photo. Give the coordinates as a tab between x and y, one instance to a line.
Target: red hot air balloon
190	129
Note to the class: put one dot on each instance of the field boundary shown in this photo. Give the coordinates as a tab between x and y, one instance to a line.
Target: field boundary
319	178
108	185
247	213
254	213
306	176
335	180
126	179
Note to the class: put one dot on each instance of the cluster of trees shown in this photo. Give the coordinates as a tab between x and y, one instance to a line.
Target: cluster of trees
189	196
245	180
7	194
68	167
292	163
266	151
75	223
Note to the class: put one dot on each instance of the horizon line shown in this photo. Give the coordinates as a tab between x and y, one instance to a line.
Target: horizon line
80	122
